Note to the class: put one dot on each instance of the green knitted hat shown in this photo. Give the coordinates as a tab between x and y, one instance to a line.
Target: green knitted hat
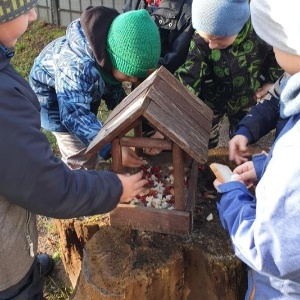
133	43
11	9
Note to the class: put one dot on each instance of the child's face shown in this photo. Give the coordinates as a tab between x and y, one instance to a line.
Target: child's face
217	42
288	62
12	30
123	77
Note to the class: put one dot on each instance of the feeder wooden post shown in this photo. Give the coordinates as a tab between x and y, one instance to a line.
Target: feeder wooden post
116	153
138	132
178	165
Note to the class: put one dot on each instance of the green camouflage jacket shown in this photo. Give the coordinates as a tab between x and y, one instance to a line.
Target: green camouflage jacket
227	79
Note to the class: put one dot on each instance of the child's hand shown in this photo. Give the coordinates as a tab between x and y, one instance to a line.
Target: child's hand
132	185
131	159
262	92
238	150
153	151
246	173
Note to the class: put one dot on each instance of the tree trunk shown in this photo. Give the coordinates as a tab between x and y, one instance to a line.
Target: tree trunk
131	265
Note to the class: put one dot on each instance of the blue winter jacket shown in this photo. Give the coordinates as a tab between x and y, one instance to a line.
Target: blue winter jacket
72	74
265	230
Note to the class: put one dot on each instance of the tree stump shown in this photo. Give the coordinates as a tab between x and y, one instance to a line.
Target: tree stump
131	265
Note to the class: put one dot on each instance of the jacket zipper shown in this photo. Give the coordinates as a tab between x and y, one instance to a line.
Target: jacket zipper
27	234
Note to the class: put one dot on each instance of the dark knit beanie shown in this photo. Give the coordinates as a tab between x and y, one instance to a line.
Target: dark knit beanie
11	9
221	18
133	43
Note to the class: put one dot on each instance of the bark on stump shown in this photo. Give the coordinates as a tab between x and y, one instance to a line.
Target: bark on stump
132	265
73	235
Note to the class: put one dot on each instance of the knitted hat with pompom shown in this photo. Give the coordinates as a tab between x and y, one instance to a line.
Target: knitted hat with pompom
11	9
133	43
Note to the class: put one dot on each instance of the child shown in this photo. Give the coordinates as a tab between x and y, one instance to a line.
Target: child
34	181
261	119
174	21
264	229
227	62
72	74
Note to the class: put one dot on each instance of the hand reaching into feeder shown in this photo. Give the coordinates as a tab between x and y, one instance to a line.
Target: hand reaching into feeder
262	92
154	151
131	159
132	185
238	149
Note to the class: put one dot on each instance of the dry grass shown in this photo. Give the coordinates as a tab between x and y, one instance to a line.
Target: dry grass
57	285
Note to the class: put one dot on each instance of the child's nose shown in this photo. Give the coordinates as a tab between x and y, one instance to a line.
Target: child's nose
213	45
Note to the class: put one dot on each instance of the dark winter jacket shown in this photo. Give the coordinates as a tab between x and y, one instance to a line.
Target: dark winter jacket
72	74
173	18
34	180
227	79
264	116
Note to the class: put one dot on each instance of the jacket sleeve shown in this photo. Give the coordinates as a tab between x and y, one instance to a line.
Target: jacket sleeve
264	116
259	162
265	232
192	72
236	204
261	119
33	178
77	86
177	52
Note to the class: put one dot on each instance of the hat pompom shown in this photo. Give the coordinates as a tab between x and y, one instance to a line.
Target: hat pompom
133	43
221	18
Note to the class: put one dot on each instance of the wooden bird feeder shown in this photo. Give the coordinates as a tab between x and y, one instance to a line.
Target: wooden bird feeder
185	122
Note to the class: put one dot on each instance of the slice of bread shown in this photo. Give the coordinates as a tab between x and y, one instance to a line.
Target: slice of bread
222	172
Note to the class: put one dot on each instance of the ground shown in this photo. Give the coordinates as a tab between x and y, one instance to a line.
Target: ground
57	285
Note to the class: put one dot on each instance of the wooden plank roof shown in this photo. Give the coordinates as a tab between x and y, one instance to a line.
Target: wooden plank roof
169	107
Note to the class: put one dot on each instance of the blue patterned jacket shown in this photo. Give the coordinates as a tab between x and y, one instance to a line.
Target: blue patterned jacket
70	78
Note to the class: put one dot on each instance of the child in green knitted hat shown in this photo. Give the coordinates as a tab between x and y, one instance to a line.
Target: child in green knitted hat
33	180
73	73
133	49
